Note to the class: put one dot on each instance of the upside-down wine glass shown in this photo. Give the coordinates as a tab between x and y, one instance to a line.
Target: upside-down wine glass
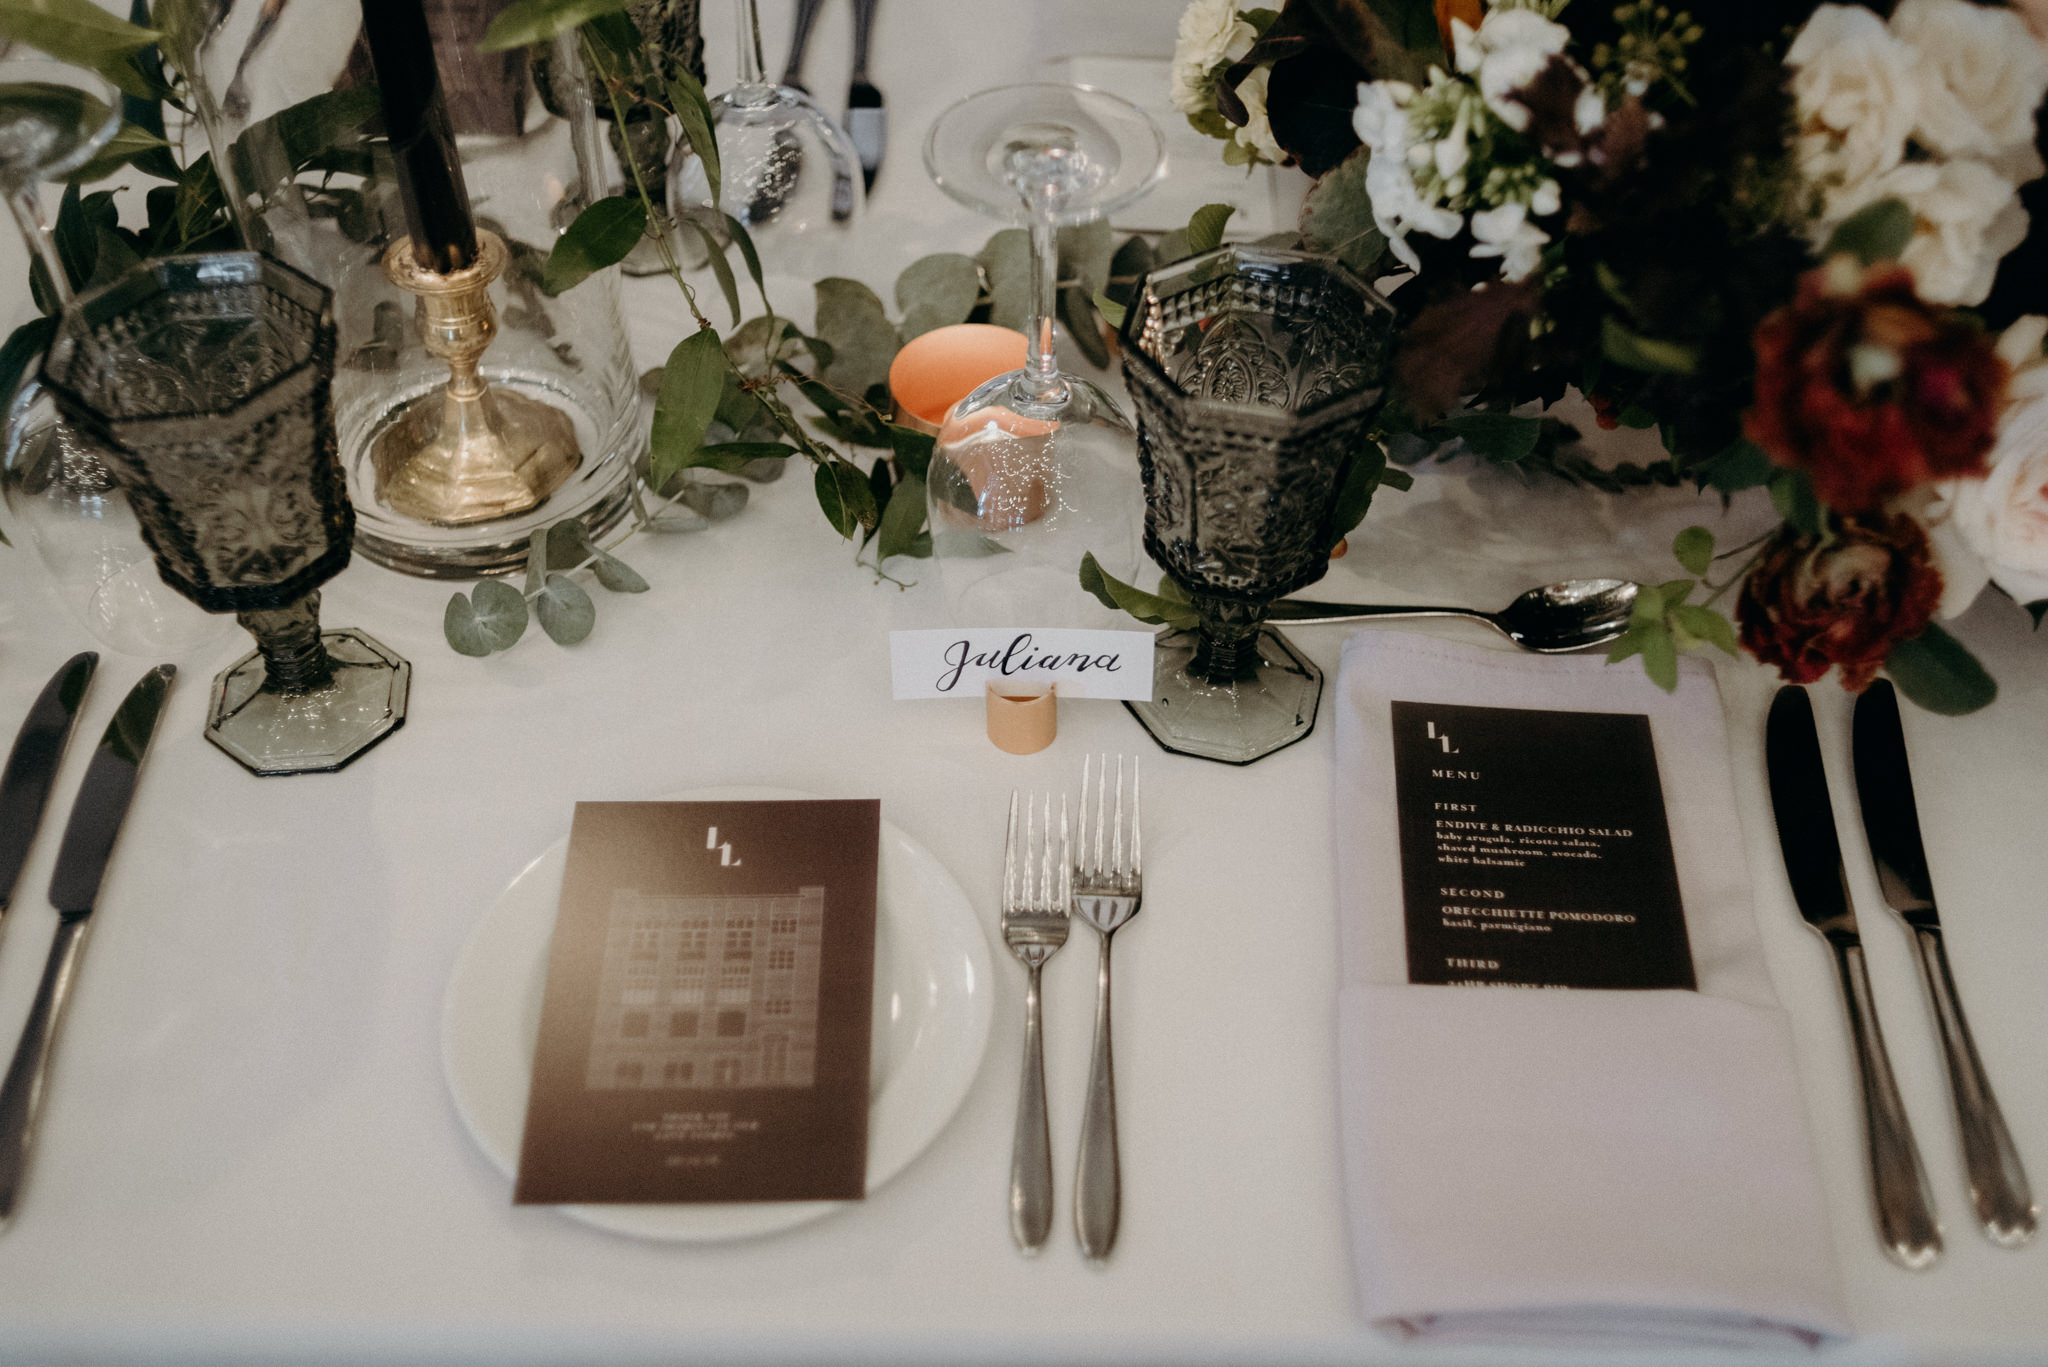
1255	374
208	381
54	118
1037	467
787	171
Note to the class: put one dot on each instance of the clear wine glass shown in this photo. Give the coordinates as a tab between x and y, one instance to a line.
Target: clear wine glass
54	118
1038	467
787	170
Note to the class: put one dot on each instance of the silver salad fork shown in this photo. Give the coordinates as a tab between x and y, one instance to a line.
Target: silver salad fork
1106	894
1036	890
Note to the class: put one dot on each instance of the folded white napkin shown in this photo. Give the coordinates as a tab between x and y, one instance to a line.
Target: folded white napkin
1580	1167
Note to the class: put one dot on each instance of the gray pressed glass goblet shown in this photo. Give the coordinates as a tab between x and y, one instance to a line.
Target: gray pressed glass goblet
207	379
1254	374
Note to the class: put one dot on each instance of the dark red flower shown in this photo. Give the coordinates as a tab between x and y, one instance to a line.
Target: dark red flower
1871	390
1809	604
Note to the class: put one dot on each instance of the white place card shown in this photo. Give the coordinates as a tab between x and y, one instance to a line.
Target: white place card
1085	664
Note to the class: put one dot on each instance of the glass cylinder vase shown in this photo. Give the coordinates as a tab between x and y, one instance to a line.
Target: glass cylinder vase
289	98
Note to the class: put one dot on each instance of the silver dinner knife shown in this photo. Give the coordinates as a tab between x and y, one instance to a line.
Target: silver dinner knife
1891	820
32	766
1813	865
96	818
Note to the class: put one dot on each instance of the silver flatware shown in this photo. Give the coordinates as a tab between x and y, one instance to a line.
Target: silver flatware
1813	865
96	818
867	116
1891	820
1037	885
799	39
1549	619
1108	886
32	765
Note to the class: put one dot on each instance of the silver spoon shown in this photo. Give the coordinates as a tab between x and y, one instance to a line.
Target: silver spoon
1549	620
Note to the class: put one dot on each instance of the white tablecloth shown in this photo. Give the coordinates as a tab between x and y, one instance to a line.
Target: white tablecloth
249	1151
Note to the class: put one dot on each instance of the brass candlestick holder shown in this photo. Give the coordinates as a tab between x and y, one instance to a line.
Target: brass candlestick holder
467	453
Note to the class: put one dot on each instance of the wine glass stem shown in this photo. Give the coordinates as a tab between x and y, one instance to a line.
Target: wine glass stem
753	69
28	216
1041	381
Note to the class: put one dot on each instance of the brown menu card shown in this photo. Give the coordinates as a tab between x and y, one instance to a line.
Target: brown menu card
705	1031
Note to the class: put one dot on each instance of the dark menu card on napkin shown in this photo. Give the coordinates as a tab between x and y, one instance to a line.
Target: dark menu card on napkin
704	1036
1535	850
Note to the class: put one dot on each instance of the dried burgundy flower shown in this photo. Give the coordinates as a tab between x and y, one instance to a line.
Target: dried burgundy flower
1871	390
1847	600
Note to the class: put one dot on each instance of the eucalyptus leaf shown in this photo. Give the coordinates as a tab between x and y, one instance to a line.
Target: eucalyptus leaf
1501	438
751	257
130	143
1939	673
1085	251
857	328
1077	316
936	291
716	499
1792	495
691	384
1112	312
903	521
616	575
1707	624
1660	658
1630	642
75	31
1006	262
1113	593
526	22
23	348
1742	464
1205	227
913	450
1354	500
565	610
721	269
1877	232
1336	217
602	235
1172	247
492	618
568	544
1694	549
844	496
1625	347
693	111
733	457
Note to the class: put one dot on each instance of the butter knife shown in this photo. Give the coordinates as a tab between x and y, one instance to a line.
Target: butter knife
1813	865
867	116
1891	820
96	819
32	766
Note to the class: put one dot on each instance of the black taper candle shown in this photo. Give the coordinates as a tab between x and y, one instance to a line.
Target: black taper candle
422	139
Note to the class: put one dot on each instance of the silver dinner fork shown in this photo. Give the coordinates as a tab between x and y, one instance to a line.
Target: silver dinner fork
1106	894
1037	887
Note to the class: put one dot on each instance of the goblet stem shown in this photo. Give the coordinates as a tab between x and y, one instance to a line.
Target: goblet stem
294	660
1041	382
1227	651
41	239
753	69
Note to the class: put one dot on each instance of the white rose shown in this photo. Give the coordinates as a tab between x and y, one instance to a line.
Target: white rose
1967	217
1381	122
1504	54
1982	75
1210	32
1257	133
1507	233
1963	572
2002	519
1856	97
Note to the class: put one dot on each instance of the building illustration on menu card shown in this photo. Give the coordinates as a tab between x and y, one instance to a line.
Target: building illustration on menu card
708	992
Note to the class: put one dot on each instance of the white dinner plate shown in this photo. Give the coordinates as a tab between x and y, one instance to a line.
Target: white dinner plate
933	1003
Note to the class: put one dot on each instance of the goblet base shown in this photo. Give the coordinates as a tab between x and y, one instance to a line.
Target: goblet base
317	731
1236	723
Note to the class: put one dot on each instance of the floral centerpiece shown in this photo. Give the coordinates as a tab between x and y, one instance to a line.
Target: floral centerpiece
1793	238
